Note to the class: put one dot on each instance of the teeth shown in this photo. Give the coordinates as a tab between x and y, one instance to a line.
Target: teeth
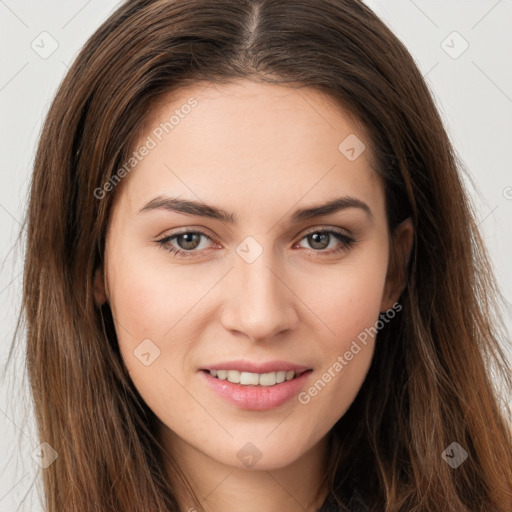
249	379
233	376
253	379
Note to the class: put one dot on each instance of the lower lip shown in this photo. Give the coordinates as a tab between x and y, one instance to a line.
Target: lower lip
257	398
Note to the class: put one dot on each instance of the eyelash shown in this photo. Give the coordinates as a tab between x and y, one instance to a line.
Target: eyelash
347	242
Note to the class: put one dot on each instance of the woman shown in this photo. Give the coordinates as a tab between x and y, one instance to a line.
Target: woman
263	287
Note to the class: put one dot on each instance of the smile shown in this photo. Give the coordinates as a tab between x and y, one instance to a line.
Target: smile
255	391
253	379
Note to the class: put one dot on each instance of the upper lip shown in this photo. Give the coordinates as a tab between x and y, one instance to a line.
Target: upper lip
243	365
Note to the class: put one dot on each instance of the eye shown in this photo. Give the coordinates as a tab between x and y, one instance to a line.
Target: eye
188	242
320	240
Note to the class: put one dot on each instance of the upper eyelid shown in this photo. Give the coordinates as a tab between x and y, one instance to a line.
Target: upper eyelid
316	229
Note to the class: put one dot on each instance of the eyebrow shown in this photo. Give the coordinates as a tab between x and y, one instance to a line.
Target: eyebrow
196	208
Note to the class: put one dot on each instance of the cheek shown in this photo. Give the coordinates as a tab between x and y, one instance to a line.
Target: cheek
147	298
157	309
149	304
345	298
347	303
139	313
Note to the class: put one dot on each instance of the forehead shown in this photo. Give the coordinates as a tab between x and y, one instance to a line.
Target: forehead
250	142
247	105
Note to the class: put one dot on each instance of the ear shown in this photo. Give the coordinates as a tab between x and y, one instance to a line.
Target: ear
400	247
100	294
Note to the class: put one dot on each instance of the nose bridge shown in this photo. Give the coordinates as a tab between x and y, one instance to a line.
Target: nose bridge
261	305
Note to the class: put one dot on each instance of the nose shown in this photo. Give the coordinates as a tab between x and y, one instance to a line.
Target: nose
260	302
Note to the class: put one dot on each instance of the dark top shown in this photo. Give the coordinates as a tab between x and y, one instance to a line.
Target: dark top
355	504
329	505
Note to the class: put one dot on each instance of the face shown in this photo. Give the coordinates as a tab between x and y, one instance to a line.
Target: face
219	259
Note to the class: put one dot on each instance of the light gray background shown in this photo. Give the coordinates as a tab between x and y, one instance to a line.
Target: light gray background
473	91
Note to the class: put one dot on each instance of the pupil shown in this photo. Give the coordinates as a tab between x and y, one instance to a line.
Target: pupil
189	240
315	239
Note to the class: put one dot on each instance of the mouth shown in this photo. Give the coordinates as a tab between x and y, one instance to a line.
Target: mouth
271	387
268	379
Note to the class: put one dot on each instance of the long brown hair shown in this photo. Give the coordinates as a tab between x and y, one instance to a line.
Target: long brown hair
430	383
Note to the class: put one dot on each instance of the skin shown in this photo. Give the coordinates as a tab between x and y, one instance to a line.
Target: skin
259	151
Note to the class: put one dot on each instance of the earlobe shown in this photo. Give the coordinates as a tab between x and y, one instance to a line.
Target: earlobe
99	287
396	279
